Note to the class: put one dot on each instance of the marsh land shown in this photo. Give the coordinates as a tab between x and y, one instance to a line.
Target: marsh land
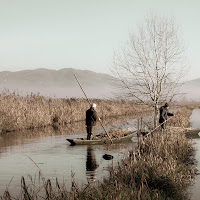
37	161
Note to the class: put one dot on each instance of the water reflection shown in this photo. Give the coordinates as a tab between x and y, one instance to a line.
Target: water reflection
22	137
91	164
54	155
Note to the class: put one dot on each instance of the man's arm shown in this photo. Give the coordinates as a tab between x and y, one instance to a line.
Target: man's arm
95	117
170	114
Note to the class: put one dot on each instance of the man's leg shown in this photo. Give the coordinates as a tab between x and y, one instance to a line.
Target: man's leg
162	124
89	133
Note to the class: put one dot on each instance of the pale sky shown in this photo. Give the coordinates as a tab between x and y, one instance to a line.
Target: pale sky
83	34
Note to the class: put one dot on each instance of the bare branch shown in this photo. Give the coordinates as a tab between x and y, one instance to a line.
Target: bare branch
152	64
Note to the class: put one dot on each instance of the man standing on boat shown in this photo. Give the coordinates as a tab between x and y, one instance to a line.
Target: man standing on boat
91	118
163	115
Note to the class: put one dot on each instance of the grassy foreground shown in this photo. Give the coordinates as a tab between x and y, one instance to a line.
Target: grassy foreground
158	170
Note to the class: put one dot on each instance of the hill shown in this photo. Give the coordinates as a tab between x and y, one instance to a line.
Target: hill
191	90
58	83
62	83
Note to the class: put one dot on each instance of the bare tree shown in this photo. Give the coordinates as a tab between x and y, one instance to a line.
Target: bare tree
150	66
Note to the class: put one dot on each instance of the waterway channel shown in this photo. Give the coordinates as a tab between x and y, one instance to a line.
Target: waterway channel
26	153
195	123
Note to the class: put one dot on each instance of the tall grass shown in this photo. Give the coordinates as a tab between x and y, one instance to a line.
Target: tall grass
33	110
157	170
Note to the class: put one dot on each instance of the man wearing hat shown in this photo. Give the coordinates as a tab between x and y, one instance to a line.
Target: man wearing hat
91	118
163	115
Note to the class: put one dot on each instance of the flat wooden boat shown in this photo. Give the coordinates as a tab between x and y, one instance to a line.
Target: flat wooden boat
192	132
84	141
189	132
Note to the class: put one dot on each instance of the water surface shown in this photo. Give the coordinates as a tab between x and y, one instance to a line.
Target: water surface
26	153
195	123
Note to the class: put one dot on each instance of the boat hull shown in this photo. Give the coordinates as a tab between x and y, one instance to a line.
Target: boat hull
84	141
192	133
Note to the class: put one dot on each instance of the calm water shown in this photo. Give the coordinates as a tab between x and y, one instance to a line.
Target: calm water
22	153
195	122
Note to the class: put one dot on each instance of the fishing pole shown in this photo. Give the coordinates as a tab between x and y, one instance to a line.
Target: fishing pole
90	104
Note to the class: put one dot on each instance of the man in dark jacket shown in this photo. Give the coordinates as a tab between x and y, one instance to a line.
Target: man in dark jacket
163	115
91	118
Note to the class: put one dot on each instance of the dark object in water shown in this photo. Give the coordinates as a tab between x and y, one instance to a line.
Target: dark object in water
107	157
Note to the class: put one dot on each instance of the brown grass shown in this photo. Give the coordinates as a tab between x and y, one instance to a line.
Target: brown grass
33	111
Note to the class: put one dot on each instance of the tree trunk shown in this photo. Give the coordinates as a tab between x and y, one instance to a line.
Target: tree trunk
156	115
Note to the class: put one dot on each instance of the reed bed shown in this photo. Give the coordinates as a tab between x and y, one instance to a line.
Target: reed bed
31	111
153	172
181	118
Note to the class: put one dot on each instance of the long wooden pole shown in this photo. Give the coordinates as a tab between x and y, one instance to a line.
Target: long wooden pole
90	104
159	126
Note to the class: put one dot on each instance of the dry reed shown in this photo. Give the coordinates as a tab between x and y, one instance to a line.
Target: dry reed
31	111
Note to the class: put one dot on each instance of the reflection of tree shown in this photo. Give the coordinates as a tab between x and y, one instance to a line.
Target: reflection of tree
91	164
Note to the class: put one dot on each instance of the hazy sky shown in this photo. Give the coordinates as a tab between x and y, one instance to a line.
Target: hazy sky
83	34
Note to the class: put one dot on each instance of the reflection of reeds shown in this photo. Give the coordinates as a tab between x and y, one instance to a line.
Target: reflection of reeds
32	111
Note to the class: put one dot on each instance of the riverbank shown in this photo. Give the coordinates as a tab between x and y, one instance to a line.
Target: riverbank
160	167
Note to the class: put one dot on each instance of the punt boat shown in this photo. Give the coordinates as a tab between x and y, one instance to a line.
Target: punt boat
106	140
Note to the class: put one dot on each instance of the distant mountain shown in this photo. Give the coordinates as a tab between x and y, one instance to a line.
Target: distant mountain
62	83
191	90
58	83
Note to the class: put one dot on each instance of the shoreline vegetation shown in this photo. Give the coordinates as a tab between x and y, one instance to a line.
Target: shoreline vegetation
35	111
162	166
